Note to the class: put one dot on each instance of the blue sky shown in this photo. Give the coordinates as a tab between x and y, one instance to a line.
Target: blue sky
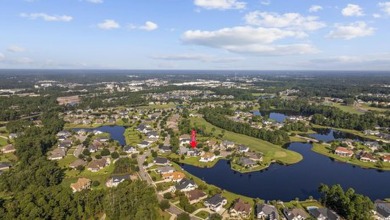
196	34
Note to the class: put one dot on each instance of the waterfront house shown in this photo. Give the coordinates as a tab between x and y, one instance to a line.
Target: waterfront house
161	161
246	162
240	209
183	150
243	149
373	145
382	209
8	149
173	176
265	211
195	196
228	144
216	202
81	184
386	158
129	150
115	180
165	169
323	214
254	156
164	149
193	152
207	157
343	152
295	214
185	185
367	157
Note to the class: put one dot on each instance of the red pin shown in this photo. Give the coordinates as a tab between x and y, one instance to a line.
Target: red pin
193	139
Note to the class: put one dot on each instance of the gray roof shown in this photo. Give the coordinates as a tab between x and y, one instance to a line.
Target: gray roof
269	210
184	183
327	213
165	169
383	208
244	161
5	165
119	179
215	199
161	160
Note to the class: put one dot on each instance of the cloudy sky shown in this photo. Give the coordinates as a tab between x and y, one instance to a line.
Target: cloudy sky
196	34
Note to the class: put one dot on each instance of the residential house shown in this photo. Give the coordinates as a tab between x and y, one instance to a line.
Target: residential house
343	152
93	148
254	156
96	165
367	157
64	134
371	132
13	136
8	149
295	214
195	196
164	149
240	209
161	161
165	169
185	185
243	149
173	176
265	211
216	202
184	139
183	150
152	135
323	214
228	144
115	180
129	150
4	166
79	149
76	163
143	144
207	157
194	152
142	128
57	154
65	144
382	209
246	162
373	145
81	184
386	158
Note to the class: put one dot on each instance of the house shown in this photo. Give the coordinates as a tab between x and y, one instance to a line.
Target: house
93	148
243	149
174	176
57	154
373	145
216	202
82	132
195	196
265	211
185	185
246	162
183	150
79	149
295	214
386	158
254	156
165	169
97	132
207	157
240	209
193	152
184	139
228	144
367	157
13	136
164	149
161	161
143	144
96	165
76	163
343	152
65	144
382	209
64	134
5	166
323	214
152	134
115	180
8	149
142	128
130	150
102	139
371	132
81	184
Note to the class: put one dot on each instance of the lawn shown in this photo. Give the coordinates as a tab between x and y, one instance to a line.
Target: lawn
133	136
3	141
270	151
325	150
348	108
202	214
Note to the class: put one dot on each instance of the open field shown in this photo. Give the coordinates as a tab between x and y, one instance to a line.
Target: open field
348	108
325	150
3	141
132	136
270	151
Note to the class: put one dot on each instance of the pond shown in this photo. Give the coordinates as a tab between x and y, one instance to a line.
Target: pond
116	132
328	135
276	116
299	180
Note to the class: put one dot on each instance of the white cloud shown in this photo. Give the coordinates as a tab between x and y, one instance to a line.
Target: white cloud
108	24
149	26
249	40
315	8
352	30
376	15
15	49
293	21
2	57
197	57
265	2
370	61
46	17
352	10
385	6
220	4
95	1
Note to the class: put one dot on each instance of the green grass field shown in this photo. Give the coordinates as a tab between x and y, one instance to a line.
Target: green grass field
3	141
270	151
132	137
348	108
202	214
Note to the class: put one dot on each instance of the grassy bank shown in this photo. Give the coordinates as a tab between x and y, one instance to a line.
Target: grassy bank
271	152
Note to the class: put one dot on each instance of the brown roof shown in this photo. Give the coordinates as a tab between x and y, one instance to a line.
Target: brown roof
96	164
195	194
386	158
241	206
368	156
343	150
175	175
76	163
80	184
8	147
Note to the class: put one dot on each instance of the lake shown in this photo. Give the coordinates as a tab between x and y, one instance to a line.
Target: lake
327	135
301	180
276	116
116	132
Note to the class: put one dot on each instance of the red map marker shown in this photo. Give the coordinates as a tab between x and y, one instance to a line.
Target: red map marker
193	139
